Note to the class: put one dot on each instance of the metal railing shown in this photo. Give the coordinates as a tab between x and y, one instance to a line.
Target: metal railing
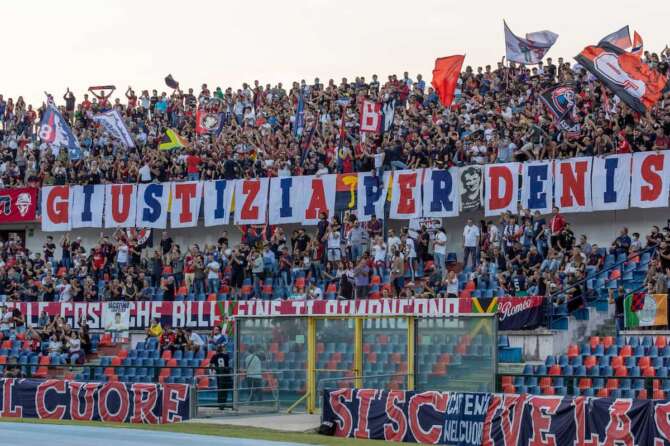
235	391
571	382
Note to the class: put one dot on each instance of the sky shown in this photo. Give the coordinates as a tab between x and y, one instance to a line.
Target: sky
51	45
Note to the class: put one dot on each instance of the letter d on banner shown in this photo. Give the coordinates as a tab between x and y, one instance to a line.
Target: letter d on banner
501	188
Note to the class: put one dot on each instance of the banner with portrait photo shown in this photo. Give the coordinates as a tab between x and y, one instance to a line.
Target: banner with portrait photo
470	187
116	320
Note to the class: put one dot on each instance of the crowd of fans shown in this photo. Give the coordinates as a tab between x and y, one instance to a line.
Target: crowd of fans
522	254
497	117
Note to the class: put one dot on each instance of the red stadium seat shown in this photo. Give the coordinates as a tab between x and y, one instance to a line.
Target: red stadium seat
602	393
573	350
661	341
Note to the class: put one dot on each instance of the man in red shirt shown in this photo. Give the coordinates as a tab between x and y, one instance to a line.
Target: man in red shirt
556	226
193	167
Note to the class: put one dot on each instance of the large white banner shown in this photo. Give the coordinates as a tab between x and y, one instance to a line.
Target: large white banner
611	182
319	194
251	201
152	205
649	188
120	205
186	200
287	200
573	184
440	193
406	194
218	198
88	205
502	188
537	191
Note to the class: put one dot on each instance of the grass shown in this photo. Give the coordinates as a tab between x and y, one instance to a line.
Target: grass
217	430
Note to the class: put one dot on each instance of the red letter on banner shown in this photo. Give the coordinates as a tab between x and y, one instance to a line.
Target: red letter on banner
317	202
58	205
498	174
396	415
618	430
40	400
439	402
406	185
580	424
143	408
541	410
184	192
172	395
574	184
345	420
250	188
121	192
365	397
511	432
649	171
124	402
662	421
76	412
7	401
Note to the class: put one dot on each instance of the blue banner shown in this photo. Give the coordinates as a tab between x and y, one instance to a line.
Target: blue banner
117	402
55	131
469	419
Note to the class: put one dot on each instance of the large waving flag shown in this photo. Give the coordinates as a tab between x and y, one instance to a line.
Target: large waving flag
619	38
624	74
113	123
171	140
530	50
445	77
55	131
637	44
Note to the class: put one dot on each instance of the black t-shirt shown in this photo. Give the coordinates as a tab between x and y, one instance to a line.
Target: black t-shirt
166	245
221	363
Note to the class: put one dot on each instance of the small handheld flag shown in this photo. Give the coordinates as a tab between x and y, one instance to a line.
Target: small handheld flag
171	140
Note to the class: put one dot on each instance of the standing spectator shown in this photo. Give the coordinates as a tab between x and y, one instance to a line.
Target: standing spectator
471	236
440	250
556	226
253	369
362	276
220	363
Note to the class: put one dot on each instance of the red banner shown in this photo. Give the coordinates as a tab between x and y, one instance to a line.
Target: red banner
18	204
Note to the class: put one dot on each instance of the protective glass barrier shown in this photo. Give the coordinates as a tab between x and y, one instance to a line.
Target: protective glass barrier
385	353
334	353
456	354
279	346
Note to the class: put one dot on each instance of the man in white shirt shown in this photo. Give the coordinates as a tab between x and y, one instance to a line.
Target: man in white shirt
213	268
440	250
393	240
471	236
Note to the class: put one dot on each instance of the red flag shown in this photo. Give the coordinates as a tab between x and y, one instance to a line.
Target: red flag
637	44
445	77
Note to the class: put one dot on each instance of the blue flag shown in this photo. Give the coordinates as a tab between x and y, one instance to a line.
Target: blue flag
299	124
55	131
